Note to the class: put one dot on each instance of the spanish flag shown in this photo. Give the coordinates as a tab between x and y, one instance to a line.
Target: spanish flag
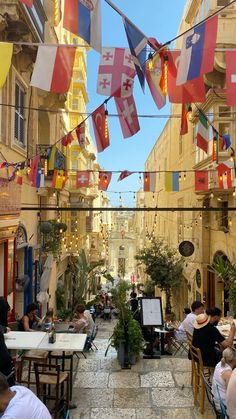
6	51
59	179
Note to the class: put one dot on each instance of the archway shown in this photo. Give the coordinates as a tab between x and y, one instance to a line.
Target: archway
218	294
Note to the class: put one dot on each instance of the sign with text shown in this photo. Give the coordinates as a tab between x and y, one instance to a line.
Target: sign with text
151	311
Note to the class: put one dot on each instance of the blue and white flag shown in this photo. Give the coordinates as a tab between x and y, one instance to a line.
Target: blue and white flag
40	178
198	51
137	44
225	142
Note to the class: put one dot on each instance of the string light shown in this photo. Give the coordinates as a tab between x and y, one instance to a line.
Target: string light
153	196
211	195
165	70
184	175
180	178
45	167
106	134
190	113
140	178
54	194
134	197
230	222
200	216
234	192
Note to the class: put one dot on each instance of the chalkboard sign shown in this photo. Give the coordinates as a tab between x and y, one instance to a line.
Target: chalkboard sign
151	311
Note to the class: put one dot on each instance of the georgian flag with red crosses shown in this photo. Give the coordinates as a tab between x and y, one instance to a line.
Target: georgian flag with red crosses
116	72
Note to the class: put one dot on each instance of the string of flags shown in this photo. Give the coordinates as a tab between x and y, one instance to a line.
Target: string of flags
222	177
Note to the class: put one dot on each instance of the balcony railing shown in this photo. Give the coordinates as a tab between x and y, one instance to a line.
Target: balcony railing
59	162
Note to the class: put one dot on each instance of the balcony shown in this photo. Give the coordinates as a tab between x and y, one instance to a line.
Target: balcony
17	20
59	163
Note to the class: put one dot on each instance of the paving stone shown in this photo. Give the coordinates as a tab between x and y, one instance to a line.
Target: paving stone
172	397
124	379
80	413
135	397
113	414
88	365
183	379
148	413
91	380
181	364
157	379
110	364
87	397
177	414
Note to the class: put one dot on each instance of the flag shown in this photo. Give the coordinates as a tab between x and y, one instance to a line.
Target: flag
100	127
230	58
40	178
83	18
124	174
59	179
33	170
19	177
6	51
184	120
104	180
82	179
226	174
189	92
149	182
201	180
116	72
202	132
51	157
67	139
198	51
225	142
127	112
80	133
137	45
53	68
28	3
154	77
172	181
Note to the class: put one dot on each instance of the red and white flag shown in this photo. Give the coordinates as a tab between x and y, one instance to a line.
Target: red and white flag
184	120
226	174
127	112
104	180
80	133
154	77
100	127
116	72
149	182
33	170
67	139
230	57
201	180
124	174
189	92
53	68
82	179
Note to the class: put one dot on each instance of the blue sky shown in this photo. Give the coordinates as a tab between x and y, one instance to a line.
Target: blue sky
156	18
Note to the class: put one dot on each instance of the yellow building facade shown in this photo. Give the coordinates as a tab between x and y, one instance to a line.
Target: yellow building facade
212	233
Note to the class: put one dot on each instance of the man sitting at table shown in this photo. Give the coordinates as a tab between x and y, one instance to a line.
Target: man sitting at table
30	320
20	402
206	337
187	324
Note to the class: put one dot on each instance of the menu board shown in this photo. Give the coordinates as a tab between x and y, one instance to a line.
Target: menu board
151	311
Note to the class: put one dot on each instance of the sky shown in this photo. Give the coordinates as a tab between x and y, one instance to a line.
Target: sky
155	18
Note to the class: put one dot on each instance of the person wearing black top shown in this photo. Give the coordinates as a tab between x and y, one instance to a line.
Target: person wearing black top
206	337
133	301
6	363
4	308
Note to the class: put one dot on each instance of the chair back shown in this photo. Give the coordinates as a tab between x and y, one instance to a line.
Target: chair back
51	372
209	394
223	408
189	337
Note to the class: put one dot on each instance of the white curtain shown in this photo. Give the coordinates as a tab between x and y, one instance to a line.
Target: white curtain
42	296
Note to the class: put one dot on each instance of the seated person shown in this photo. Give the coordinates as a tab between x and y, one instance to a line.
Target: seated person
187	324
206	336
85	323
48	320
222	374
230	396
186	311
30	320
4	309
20	402
133	302
6	363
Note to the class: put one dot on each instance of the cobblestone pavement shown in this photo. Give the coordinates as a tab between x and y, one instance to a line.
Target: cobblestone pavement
152	389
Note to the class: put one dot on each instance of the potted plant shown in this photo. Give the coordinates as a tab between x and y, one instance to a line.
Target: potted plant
127	336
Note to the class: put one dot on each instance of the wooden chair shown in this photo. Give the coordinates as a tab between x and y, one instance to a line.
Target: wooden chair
60	358
30	357
198	371
48	376
210	398
189	341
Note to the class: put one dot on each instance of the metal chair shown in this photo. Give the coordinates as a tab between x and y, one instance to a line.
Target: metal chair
51	375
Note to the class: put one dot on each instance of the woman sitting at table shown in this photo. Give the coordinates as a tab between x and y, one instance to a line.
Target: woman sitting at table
222	374
30	320
84	323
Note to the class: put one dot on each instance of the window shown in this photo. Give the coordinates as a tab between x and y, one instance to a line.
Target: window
223	221
19	114
74	165
75	104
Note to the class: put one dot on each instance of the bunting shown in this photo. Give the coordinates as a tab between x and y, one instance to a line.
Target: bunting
226	174
172	181
128	118
59	179
82	179
33	170
124	174
104	180
80	133
154	77
67	139
202	132
100	127
201	180
149	182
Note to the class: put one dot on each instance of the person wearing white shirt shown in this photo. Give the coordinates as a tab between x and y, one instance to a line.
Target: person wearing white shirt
187	324
230	396
20	402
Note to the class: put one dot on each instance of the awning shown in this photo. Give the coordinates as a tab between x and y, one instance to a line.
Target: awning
42	296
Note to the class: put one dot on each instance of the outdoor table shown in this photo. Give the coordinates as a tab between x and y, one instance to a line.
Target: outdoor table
162	334
23	340
224	329
73	342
